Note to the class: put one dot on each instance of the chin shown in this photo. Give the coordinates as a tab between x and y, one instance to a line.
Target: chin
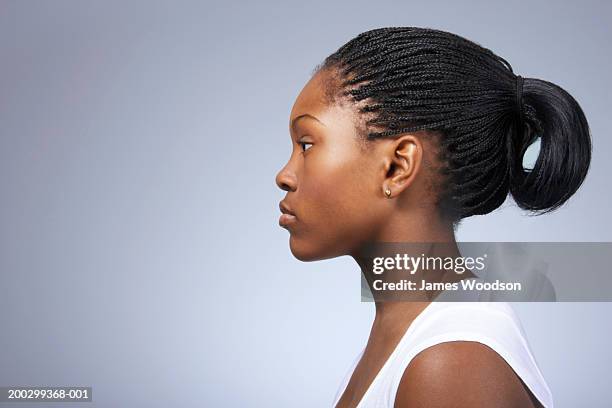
306	251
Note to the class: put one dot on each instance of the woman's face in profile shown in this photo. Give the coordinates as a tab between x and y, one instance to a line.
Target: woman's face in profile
333	181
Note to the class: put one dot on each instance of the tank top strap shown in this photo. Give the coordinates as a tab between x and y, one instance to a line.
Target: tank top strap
493	324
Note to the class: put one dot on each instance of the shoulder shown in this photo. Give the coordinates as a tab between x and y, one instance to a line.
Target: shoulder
460	374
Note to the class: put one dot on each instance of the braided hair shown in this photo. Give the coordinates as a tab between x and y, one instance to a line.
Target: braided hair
410	79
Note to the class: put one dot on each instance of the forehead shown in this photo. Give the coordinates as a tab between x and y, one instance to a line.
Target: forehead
316	98
311	98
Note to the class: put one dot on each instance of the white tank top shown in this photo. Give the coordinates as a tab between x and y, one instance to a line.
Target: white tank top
494	324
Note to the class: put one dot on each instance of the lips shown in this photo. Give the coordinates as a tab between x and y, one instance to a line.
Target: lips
287	217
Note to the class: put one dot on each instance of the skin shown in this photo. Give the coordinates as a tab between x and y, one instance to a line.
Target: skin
335	185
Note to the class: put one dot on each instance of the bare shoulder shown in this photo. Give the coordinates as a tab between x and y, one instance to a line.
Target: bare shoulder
461	374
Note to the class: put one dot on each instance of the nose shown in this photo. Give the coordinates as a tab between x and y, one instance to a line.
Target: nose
286	179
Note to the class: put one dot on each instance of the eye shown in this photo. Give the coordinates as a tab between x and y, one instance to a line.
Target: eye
303	144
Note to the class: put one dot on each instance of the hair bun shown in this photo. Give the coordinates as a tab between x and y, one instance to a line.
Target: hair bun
555	117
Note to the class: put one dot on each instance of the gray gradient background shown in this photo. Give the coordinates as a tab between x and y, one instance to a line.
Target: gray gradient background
139	249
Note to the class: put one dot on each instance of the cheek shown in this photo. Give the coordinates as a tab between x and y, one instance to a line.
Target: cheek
339	195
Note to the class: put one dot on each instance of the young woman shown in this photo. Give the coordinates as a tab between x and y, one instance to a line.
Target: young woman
397	136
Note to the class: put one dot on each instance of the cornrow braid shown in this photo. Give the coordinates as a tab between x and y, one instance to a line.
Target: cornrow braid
413	79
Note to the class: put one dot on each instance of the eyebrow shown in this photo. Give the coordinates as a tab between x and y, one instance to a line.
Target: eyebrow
305	115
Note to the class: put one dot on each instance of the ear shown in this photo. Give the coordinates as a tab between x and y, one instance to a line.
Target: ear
404	157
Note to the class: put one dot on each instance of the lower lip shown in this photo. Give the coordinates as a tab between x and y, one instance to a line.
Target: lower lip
286	219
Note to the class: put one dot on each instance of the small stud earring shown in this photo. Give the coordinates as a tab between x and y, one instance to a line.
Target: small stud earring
388	192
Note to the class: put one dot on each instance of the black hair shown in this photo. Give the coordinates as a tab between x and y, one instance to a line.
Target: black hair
413	79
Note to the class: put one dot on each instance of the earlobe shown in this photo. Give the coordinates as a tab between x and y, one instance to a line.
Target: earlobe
388	192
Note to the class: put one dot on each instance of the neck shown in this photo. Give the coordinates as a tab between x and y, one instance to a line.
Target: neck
421	230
